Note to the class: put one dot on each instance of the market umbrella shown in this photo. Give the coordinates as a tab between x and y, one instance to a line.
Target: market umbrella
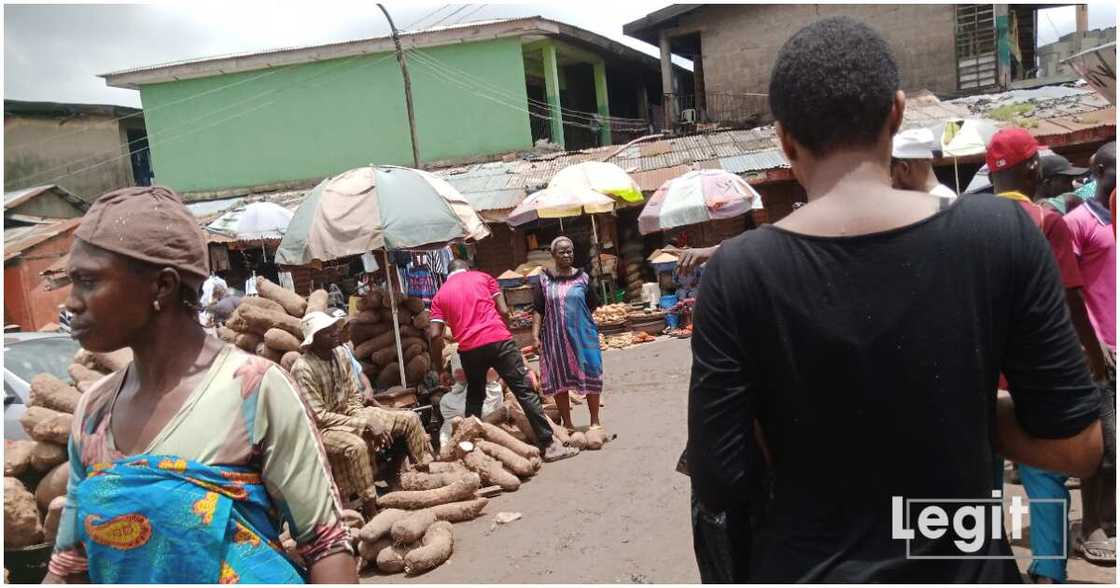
600	176
259	220
696	197
965	138
559	203
378	208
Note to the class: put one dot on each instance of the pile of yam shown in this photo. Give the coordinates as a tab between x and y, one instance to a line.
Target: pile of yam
269	324
375	346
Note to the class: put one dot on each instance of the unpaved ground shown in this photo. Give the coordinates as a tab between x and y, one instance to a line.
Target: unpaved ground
620	514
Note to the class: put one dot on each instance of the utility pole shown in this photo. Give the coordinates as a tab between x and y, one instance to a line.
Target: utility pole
407	89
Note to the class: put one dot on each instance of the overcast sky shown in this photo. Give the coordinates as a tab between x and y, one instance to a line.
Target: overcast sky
54	52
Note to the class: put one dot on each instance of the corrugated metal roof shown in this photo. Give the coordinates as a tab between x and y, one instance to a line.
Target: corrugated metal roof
749	162
17	198
652	180
17	241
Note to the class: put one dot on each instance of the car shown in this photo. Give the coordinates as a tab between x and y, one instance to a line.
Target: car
25	356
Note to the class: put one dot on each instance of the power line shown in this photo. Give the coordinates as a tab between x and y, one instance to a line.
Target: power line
453	13
469	14
425	17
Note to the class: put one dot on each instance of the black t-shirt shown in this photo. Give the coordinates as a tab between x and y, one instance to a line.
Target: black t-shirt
871	363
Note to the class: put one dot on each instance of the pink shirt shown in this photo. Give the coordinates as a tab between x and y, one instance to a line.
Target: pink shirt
466	304
1095	247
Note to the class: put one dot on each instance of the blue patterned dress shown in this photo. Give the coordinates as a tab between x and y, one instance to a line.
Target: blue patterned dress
570	356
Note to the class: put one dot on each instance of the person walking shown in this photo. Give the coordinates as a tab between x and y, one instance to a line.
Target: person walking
470	303
185	464
865	368
566	335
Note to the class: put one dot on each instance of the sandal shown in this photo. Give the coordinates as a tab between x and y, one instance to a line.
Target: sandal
1098	552
558	451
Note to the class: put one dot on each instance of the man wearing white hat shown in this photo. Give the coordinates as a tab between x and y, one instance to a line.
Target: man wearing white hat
351	432
912	163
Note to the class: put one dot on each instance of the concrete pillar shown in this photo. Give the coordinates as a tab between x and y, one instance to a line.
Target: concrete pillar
1003	46
667	81
602	104
643	101
552	89
700	94
1082	18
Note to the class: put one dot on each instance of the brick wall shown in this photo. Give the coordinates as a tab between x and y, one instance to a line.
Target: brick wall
739	42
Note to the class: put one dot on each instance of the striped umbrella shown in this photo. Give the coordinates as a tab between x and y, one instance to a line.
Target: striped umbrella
696	197
377	208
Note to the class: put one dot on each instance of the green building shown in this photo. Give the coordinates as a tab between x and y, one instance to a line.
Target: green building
281	118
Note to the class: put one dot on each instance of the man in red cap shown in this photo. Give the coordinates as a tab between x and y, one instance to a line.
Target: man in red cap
1016	173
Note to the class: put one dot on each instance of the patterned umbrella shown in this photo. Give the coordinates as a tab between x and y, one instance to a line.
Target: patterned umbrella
602	177
259	220
696	197
559	203
377	207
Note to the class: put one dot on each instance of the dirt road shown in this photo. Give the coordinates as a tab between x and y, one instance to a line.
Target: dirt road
620	514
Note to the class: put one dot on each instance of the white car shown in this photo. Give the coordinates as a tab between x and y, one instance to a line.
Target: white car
25	356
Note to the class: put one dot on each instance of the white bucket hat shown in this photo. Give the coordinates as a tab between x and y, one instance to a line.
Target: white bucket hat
913	144
315	322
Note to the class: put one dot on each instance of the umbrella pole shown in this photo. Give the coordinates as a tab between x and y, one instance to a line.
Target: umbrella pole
396	325
599	256
957	173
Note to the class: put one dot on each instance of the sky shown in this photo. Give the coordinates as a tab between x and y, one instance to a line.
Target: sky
54	52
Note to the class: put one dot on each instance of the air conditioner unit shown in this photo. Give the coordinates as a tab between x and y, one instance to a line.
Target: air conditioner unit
688	115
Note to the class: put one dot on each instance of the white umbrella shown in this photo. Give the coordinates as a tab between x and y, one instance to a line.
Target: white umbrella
259	220
965	138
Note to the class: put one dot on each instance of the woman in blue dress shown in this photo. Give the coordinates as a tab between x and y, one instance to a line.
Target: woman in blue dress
565	334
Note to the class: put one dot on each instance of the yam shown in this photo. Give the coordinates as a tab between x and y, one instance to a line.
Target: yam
52	485
368	550
422	481
35	415
459	512
513	430
422	321
383	340
353	519
467	429
536	462
435	549
53	518
225	334
491	471
596	438
510	460
259	320
247	341
385	356
559	432
388	377
414	306
381	523
368	317
281	340
519	420
45	456
578	440
289	359
369	369
269	353
85	387
411	528
261	303
415	350
50	392
374	298
362	332
404	318
80	373
112	362
495	434
391	559
447	467
463	489
17	456
317	301
293	303
21	517
415	369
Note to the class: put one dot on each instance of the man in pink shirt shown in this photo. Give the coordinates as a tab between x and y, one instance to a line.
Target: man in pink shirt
471	304
1094	245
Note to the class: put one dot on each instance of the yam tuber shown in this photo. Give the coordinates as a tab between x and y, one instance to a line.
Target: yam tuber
317	302
513	430
247	341
462	429
293	303
258	320
289	359
369	317
435	549
389	376
80	373
411	528
578	440
227	334
17	456
52	520
52	485
261	303
368	550
463	489
21	516
381	341
596	438
459	512
422	481
495	434
50	392
447	467
45	456
414	350
381	523
512	462
491	471
269	353
55	429
559	432
112	362
35	415
353	519
416	368
391	559
362	332
422	321
414	306
281	340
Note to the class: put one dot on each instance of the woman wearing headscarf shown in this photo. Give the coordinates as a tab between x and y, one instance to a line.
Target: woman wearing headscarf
183	465
566	335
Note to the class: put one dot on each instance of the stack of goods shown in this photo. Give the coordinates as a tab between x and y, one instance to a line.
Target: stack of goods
269	324
624	340
632	267
522	318
611	314
36	471
375	345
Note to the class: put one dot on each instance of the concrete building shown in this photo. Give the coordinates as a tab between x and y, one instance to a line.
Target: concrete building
289	117
88	149
948	49
1050	57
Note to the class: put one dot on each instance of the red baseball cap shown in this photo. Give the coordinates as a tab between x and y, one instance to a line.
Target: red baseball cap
1010	147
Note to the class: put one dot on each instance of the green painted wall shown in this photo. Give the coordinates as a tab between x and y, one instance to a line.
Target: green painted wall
320	119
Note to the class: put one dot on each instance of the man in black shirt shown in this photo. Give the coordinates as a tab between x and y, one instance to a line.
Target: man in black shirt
865	332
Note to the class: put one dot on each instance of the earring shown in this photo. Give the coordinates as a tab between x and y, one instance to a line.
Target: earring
155	304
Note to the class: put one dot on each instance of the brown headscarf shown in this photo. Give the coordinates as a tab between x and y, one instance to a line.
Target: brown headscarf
148	223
